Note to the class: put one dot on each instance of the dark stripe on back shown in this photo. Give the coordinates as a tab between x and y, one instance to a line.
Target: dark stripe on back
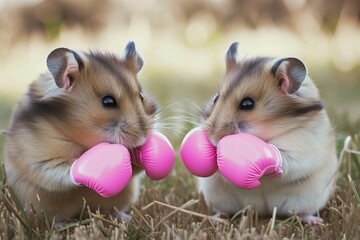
308	109
298	111
52	109
109	63
247	68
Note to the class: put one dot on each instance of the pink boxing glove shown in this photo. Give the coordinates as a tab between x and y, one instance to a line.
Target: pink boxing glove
198	154
156	156
105	168
243	159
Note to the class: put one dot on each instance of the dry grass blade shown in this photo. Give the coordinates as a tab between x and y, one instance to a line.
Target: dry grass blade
155	216
347	206
273	219
285	221
82	211
12	209
141	216
337	211
267	231
179	209
42	209
100	217
345	148
4	181
186	205
73	225
352	151
352	185
298	220
242	211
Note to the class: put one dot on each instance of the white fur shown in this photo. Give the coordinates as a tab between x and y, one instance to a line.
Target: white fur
307	151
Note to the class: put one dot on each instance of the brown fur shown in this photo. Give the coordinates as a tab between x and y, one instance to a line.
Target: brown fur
288	114
51	128
253	78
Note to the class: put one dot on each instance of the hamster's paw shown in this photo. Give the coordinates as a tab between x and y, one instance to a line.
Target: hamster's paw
123	215
120	215
217	215
311	220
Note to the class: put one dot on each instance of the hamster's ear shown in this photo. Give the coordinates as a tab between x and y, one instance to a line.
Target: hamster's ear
63	64
132	58
289	73
231	55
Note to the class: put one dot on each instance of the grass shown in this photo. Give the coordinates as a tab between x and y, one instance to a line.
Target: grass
171	209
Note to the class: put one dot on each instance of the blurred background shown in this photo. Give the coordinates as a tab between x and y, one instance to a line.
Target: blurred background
183	44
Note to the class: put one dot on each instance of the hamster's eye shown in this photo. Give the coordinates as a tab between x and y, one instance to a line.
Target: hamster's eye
216	97
109	102
247	104
141	96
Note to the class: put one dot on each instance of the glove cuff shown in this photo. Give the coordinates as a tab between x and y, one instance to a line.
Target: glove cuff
279	159
72	174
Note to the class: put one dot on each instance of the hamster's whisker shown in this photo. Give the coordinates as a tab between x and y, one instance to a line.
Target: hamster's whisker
195	106
174	127
185	115
188	101
199	109
171	105
170	130
173	123
130	142
208	124
132	138
114	137
180	119
188	114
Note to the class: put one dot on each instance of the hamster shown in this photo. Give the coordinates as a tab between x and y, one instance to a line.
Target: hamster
85	98
275	100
